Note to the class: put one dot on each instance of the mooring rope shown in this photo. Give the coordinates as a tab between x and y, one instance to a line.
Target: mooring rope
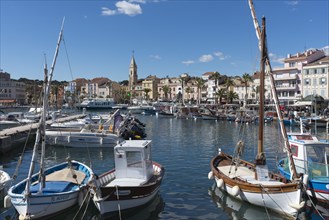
119	208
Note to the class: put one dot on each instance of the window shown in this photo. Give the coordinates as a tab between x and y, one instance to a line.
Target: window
306	72
314	82
315	71
307	82
134	158
323	81
292	64
323	70
294	150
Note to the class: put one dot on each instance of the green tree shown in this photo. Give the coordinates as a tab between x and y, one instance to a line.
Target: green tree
229	83
166	89
231	96
216	76
200	84
246	79
220	94
147	90
188	90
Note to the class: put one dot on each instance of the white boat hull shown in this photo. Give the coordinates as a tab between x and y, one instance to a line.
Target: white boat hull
58	194
273	201
79	139
113	206
42	205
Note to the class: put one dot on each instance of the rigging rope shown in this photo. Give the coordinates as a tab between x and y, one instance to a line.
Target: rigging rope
67	56
19	162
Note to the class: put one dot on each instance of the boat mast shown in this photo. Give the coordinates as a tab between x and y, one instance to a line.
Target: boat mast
40	135
260	158
268	71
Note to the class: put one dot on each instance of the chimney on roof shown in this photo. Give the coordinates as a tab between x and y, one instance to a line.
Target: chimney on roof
289	55
298	54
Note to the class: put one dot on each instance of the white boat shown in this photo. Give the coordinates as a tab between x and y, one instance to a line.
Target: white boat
7	122
5	181
135	180
74	124
50	190
84	138
311	157
253	182
97	103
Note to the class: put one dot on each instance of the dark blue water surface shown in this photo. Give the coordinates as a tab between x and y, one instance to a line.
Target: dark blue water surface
184	148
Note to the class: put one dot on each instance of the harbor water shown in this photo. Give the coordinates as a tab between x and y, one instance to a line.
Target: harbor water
185	148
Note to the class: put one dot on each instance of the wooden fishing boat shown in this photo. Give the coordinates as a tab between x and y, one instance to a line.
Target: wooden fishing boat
50	190
252	182
135	180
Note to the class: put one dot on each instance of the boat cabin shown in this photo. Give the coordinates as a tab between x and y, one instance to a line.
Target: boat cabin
311	155
133	162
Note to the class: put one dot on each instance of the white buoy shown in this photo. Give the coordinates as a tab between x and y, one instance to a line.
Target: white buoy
7	202
210	175
235	190
305	179
220	183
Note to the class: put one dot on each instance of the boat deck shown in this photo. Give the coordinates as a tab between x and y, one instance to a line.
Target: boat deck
246	174
127	182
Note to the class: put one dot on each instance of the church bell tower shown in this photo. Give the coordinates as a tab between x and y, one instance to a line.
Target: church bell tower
132	73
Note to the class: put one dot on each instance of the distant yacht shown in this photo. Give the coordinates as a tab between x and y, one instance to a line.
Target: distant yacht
97	103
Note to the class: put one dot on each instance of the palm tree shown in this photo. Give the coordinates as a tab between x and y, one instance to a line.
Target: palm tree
221	93
200	84
228	83
216	76
231	95
188	90
147	90
184	79
246	78
166	89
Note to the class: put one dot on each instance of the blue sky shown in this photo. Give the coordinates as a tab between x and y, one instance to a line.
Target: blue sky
168	37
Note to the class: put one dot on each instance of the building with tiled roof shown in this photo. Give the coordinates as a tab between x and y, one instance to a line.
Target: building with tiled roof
315	77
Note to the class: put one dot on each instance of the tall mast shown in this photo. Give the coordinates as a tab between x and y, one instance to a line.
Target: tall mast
40	135
260	158
268	71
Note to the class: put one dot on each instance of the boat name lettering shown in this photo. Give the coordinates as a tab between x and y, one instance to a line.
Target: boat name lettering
59	198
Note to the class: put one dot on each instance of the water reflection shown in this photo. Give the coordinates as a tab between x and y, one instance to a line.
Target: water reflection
238	209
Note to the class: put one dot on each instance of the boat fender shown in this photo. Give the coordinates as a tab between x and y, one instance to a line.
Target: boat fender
220	183
101	141
305	179
7	202
235	191
298	206
68	139
210	175
80	197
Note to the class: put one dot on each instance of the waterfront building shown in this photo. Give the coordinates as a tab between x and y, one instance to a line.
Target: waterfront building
288	79
12	92
315	77
151	83
168	88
